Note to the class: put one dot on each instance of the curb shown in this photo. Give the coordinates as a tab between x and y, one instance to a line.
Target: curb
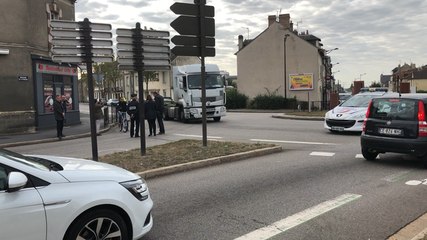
207	162
415	230
294	117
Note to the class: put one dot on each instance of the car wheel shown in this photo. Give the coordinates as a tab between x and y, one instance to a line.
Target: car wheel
98	224
369	155
217	119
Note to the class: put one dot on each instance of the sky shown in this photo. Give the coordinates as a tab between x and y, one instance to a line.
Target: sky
372	36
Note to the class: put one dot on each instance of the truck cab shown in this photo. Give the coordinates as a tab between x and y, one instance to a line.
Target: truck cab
187	93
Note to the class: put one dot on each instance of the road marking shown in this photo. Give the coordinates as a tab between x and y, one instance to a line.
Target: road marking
296	142
396	177
361	156
416	182
299	218
196	136
322	154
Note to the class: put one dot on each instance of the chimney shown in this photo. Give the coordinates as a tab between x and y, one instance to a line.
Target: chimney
284	19
240	43
271	19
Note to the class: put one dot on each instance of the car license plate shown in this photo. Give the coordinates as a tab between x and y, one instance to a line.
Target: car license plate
390	131
340	129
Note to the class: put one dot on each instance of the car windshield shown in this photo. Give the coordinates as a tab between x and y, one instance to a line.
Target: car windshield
361	100
29	161
212	81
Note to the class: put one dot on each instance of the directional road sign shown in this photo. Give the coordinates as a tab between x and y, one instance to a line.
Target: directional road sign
144	41
192	41
192	51
76	33
77	51
191	9
80	59
144	33
187	25
76	25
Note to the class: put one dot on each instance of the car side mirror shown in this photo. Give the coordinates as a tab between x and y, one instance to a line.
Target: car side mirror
16	181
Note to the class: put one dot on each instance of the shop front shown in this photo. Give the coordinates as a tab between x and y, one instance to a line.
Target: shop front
51	80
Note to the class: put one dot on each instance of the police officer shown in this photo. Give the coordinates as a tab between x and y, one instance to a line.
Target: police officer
133	111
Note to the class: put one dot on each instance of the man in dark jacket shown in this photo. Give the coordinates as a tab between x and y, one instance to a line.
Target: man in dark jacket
58	112
150	114
160	107
133	111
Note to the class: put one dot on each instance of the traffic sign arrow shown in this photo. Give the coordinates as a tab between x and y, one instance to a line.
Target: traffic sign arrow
71	33
144	33
70	51
187	25
192	51
147	62
147	55
76	25
77	42
155	49
150	41
80	59
192	41
192	9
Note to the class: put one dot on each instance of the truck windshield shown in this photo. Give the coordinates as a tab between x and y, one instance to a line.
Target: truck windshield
212	81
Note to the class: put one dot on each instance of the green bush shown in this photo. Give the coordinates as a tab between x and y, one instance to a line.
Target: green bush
269	101
235	99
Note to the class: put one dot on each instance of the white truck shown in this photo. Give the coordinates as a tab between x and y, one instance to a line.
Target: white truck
187	93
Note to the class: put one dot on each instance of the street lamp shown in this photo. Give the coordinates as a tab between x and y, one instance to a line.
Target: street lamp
360	76
330	50
284	63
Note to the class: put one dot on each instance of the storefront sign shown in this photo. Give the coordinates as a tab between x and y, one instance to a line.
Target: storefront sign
301	81
58	70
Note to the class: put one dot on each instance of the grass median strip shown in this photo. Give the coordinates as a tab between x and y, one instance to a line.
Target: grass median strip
178	152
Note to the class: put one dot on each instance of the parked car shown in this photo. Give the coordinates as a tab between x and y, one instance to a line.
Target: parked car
47	197
112	102
349	115
167	103
395	124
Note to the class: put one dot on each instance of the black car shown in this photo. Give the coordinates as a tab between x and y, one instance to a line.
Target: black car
396	123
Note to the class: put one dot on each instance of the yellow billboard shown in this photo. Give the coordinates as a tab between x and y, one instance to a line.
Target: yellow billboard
301	81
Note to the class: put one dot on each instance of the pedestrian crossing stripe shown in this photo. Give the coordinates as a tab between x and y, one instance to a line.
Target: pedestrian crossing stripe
322	154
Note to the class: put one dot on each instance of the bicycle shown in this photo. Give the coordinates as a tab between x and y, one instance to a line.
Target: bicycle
123	122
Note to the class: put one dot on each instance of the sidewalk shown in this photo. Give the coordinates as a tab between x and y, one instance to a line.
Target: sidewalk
49	135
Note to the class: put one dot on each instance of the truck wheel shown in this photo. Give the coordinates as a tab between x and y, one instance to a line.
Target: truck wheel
369	155
217	119
165	116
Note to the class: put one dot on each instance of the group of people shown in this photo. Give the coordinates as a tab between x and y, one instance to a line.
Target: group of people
153	110
59	110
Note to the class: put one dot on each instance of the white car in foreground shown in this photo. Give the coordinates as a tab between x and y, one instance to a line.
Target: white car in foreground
46	197
349	115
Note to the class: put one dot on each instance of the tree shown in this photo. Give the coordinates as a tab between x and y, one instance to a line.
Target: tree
375	84
150	76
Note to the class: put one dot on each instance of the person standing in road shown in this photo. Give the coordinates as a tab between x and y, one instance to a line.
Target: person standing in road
64	103
150	114
58	112
98	116
133	111
159	111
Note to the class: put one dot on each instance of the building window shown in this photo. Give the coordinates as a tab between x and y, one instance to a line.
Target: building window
57	85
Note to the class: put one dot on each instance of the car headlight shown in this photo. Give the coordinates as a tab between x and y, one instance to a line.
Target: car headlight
138	188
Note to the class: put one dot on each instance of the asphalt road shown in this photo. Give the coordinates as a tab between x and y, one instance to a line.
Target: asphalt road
319	187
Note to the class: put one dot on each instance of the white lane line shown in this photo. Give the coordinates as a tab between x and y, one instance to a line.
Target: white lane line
296	142
322	154
396	177
299	218
196	136
361	156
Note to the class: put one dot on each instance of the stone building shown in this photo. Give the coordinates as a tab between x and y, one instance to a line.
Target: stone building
284	62
28	77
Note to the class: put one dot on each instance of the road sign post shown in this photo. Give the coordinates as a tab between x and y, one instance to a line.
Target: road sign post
83	42
142	50
197	29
